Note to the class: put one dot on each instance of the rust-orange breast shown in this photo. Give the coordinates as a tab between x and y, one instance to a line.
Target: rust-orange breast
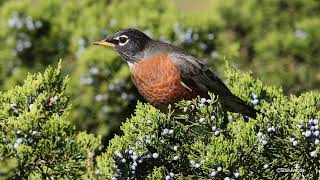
158	80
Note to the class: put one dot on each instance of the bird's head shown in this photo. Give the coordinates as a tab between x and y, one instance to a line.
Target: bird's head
129	43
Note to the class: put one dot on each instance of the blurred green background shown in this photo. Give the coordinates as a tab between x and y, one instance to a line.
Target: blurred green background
278	40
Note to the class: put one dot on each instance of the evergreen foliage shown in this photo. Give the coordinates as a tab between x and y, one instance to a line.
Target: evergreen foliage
196	140
37	140
277	40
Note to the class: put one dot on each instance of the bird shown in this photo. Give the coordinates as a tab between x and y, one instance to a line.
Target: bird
165	74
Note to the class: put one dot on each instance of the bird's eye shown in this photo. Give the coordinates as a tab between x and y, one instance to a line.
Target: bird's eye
123	40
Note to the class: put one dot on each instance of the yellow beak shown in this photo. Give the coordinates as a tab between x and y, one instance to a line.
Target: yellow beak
103	43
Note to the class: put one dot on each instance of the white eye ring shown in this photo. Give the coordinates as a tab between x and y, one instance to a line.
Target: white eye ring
122	38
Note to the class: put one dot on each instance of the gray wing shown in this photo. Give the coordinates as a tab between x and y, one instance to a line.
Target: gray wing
197	76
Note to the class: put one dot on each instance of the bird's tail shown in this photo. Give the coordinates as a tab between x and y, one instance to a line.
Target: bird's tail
235	104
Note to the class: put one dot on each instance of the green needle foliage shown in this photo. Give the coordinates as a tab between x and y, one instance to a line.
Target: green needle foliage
196	140
276	39
36	139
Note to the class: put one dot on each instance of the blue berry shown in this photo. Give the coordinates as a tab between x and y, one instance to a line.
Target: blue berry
197	165
236	175
201	120
134	164
117	153
214	54
192	162
269	129
313	154
97	172
254	95
165	131
210	36
260	134
311	121
130	151
307	133
216	132
301	34
134	157
31	99
185	109
255	101
264	142
214	128
175	148
213	173
94	71
155	155
30	140
203	100
18	142
31	106
54	99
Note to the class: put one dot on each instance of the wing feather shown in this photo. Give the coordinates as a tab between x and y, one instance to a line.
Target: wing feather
196	75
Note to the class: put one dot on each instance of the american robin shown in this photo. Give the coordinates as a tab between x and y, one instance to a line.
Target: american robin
165	74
